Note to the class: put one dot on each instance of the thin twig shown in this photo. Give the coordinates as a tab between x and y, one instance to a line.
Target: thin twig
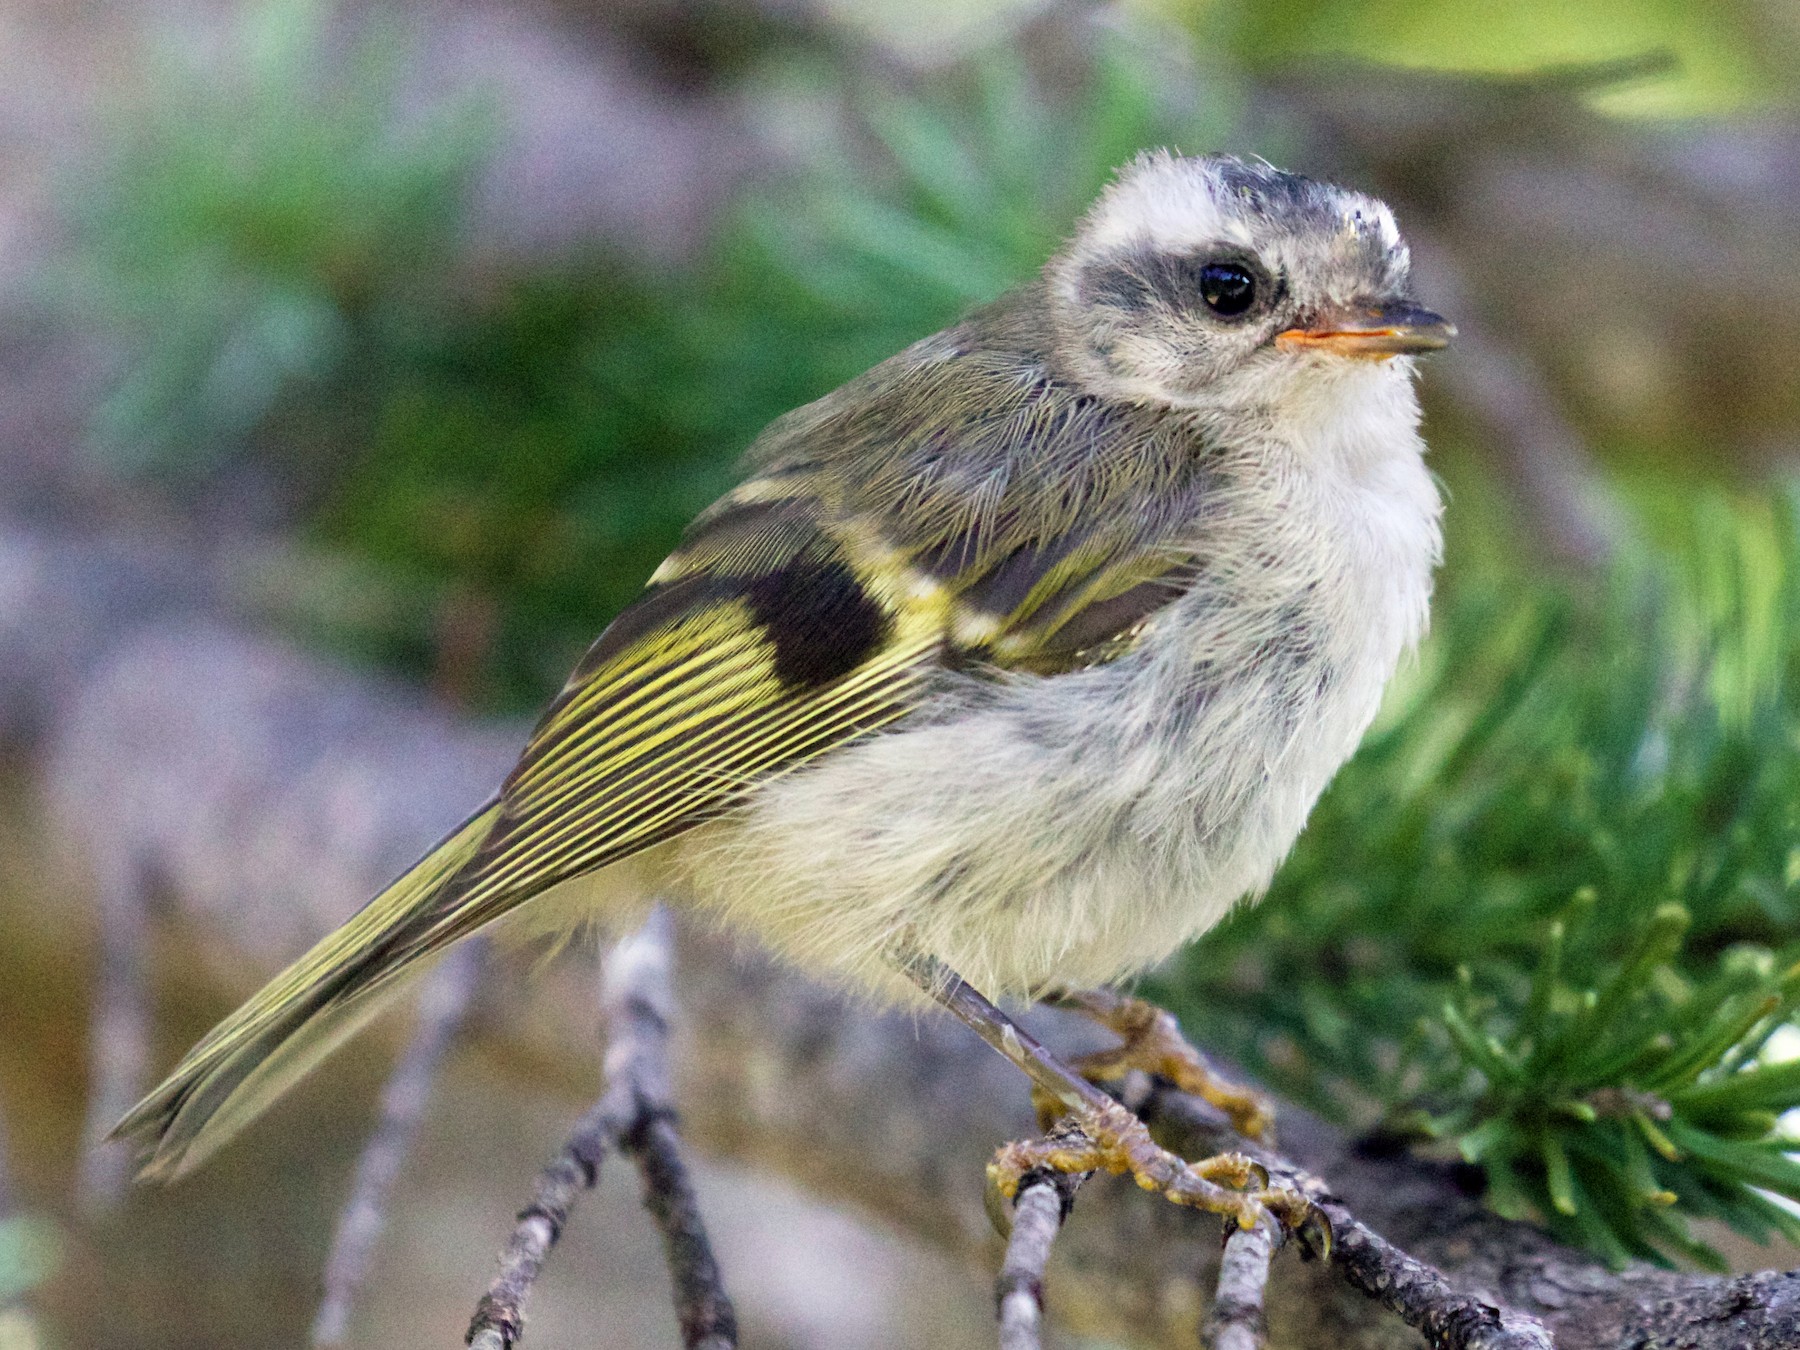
443	1000
1019	1292
635	1116
1236	1320
1423	1296
499	1318
1039	1210
702	1308
637	1004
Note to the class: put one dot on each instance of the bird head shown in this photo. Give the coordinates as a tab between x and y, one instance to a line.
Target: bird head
1218	284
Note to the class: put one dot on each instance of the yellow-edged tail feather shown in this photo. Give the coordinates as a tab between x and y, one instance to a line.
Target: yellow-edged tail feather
297	1019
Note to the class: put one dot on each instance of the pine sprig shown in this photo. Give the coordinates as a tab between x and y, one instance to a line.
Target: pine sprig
1549	917
257	229
1616	1102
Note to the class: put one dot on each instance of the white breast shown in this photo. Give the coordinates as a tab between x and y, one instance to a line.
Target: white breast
1074	828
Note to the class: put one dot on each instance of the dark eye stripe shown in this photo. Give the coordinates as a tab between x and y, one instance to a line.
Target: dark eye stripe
1143	278
1117	285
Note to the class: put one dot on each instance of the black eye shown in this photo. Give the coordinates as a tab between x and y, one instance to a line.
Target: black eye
1227	288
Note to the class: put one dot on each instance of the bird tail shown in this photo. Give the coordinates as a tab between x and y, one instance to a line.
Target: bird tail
301	1015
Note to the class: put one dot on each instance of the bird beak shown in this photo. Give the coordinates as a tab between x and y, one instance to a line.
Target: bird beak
1371	332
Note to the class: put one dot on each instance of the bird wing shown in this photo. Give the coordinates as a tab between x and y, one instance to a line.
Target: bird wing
776	632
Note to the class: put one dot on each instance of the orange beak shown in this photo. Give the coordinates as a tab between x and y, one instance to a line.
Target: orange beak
1371	332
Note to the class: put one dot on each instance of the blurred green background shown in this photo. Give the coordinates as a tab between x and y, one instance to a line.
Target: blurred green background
473	305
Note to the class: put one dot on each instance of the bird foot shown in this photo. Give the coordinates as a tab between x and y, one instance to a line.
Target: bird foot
1151	1041
1112	1139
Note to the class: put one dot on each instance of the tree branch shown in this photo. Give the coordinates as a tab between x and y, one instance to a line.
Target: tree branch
499	1319
1038	1211
1236	1320
1450	1318
634	1115
703	1311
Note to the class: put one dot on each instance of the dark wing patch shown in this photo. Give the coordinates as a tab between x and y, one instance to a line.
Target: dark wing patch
821	621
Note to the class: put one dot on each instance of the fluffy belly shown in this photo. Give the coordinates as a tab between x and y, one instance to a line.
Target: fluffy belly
1068	829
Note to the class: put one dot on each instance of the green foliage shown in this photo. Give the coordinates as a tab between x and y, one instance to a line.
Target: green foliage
1549	914
1725	59
259	230
536	458
1624	1086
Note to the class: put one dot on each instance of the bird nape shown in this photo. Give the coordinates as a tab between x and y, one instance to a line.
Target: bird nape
1010	665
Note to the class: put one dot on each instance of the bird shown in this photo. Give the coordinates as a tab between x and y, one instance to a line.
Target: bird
1007	668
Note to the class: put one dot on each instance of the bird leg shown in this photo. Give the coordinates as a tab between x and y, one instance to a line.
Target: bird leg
1151	1040
1111	1138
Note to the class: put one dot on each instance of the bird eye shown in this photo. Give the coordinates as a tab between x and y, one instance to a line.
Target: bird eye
1227	288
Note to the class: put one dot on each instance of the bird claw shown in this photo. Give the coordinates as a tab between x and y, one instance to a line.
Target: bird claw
1315	1235
1113	1139
1151	1041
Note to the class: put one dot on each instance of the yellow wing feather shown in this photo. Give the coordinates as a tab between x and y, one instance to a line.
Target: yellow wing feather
672	727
